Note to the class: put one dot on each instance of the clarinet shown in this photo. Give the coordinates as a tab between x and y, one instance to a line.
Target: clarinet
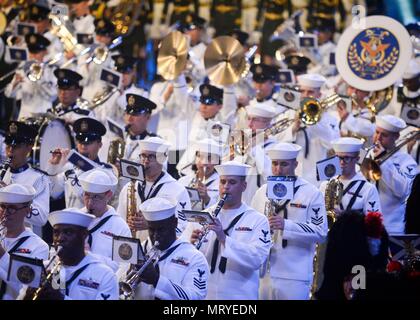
215	214
4	169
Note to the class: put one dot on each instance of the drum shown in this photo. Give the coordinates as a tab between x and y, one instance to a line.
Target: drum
52	133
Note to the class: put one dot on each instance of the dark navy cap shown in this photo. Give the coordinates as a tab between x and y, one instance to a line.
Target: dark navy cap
262	72
124	63
67	78
138	104
20	132
191	22
413	28
38	13
36	42
298	63
104	27
211	94
88	130
322	24
240	35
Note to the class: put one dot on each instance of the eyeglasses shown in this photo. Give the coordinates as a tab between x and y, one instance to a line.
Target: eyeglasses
12	209
346	159
149	157
94	197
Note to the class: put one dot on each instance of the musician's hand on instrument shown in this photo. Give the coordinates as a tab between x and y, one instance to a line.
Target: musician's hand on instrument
196	235
378	149
69	55
138	222
202	190
218	229
342	111
276	222
49	293
2	184
243	100
151	274
57	155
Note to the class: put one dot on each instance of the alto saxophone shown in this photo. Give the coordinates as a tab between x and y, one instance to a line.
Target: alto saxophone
132	204
333	197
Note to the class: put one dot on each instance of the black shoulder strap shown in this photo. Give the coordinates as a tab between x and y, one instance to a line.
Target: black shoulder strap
347	189
74	276
354	197
223	260
169	252
100	224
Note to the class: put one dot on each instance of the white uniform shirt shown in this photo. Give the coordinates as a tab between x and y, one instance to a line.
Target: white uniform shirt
394	188
102	237
212	184
170	189
183	275
247	246
367	199
64	178
33	247
96	282
305	225
37	179
84	24
359	123
36	97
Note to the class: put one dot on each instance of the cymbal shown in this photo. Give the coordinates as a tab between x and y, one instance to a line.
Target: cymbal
173	55
224	60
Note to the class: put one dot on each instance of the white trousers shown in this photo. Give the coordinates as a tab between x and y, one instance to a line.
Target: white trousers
283	289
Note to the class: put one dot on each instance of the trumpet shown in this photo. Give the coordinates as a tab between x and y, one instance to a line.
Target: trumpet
311	109
50	274
128	287
371	169
101	53
214	215
36	69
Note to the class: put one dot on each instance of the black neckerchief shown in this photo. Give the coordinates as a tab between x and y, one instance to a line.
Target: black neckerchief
95	228
305	135
152	193
355	195
20	169
140	136
283	207
223	260
169	252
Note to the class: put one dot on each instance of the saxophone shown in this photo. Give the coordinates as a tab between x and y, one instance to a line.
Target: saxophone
132	204
333	196
116	150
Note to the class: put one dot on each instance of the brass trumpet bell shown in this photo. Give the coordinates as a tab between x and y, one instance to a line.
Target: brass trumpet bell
173	55
224	60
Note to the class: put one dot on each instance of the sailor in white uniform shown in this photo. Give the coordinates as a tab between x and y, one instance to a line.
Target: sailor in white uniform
296	225
238	241
398	172
86	277
98	187
15	204
182	271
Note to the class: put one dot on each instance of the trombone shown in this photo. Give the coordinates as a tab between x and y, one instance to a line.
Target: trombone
311	109
371	169
36	69
128	287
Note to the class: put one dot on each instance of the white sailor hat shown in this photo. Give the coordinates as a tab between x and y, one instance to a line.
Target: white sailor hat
98	181
390	123
17	193
158	208
71	216
154	144
284	151
311	80
232	168
209	146
347	144
413	69
261	109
